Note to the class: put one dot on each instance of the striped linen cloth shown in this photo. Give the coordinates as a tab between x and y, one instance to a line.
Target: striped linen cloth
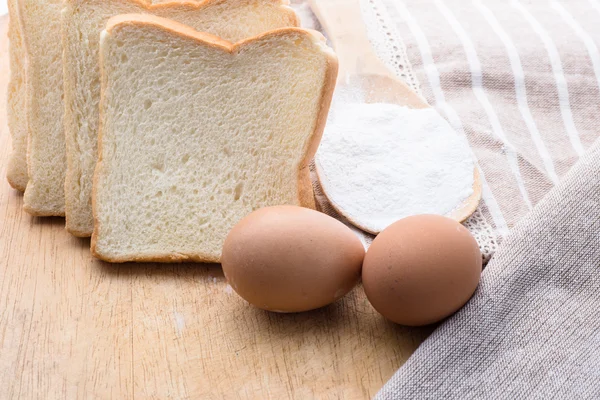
519	78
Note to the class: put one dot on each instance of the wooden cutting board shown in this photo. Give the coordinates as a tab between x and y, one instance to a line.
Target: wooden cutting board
74	327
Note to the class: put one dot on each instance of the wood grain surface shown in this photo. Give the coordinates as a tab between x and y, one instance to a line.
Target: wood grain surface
72	327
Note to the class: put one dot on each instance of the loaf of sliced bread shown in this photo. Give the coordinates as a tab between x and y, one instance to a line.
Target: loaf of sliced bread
195	133
17	163
83	20
46	162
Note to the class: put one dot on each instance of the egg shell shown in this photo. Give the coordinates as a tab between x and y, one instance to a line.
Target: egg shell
291	259
421	269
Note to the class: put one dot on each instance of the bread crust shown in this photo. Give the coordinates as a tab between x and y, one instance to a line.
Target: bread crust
159	258
75	232
305	188
197	5
15	184
16	177
305	195
43	210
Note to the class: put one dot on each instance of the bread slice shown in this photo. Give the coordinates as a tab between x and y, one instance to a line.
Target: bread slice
231	20
195	133
40	21
17	163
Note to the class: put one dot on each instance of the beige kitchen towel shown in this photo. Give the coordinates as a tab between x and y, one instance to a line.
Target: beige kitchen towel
532	330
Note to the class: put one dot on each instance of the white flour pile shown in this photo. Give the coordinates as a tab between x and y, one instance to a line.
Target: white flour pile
378	163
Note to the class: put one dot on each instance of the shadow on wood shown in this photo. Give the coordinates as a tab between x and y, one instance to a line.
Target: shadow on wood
163	270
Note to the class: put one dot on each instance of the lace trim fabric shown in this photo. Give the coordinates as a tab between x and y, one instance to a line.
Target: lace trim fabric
390	48
387	44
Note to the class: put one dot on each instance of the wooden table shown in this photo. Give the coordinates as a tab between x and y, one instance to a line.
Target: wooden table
74	327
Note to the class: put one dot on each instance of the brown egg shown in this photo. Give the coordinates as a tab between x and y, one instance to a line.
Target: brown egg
421	269
291	259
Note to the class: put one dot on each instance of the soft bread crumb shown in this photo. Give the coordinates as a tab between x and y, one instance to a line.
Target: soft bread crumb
46	158
16	101
196	135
